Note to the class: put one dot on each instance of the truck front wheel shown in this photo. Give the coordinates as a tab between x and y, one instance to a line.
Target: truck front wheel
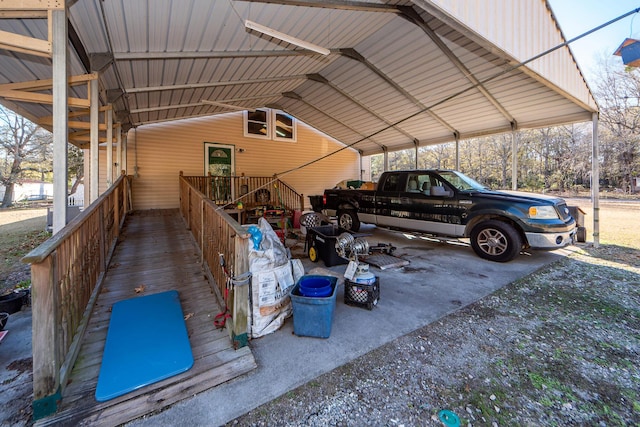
496	241
348	219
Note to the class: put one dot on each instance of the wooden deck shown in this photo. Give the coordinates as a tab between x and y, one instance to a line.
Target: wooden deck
155	251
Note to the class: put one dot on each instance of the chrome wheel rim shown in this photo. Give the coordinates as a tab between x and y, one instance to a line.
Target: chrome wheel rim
345	222
492	242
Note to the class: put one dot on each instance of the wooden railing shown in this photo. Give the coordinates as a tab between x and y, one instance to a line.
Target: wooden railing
251	191
220	238
66	274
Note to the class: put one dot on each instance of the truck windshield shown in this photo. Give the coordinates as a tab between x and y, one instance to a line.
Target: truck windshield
461	181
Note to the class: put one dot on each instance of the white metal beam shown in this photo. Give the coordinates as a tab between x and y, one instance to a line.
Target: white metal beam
514	159
215	84
109	120
595	182
124	167
60	107
457	137
334	4
148	56
118	163
93	144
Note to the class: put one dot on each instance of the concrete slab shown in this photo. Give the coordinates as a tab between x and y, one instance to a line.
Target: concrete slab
440	279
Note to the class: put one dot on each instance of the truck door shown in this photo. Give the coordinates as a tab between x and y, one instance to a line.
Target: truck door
388	201
429	207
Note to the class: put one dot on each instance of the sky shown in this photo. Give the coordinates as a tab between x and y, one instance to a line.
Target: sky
579	16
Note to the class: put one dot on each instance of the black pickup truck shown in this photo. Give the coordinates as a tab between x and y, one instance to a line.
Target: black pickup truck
448	203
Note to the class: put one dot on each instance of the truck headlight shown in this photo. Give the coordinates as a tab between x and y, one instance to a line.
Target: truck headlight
543	212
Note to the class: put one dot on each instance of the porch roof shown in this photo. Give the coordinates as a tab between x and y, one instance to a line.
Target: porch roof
398	73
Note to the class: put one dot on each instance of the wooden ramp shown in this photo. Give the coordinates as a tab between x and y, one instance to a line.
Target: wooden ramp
154	252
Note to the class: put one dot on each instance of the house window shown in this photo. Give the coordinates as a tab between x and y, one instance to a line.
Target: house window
269	124
284	127
257	124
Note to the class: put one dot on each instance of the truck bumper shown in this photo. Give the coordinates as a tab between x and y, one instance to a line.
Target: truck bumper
550	240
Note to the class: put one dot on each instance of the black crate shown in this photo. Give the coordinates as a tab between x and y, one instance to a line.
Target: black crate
360	295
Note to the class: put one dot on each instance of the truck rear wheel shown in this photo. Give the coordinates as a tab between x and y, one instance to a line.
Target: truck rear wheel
496	241
348	219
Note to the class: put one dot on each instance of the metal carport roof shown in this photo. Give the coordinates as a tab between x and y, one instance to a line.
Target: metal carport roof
399	74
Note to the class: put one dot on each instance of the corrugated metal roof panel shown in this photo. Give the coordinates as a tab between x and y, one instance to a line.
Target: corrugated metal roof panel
525	29
387	83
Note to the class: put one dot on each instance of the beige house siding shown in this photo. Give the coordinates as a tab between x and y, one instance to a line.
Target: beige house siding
160	151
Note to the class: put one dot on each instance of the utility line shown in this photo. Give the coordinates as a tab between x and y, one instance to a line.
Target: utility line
463	91
442	101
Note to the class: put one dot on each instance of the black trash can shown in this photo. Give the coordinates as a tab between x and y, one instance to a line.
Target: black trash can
316	203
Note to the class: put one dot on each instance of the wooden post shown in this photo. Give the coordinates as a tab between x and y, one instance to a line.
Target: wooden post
129	195
116	209
240	310
102	239
201	237
45	344
188	207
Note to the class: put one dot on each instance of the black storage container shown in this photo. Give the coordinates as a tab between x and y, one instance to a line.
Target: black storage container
321	244
316	203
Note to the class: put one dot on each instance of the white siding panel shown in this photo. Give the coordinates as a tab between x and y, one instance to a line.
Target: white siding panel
163	150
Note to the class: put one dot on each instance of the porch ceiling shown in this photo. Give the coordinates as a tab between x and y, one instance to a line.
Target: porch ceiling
400	73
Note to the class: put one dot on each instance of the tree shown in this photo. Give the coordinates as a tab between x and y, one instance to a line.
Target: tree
500	152
22	144
75	164
618	93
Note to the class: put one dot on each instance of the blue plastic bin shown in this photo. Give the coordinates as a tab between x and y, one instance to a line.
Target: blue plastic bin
313	316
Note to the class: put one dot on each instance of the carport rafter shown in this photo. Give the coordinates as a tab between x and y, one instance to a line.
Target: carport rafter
187	86
514	64
200	104
148	56
29	9
191	86
296	97
353	54
321	79
412	16
332	4
27	91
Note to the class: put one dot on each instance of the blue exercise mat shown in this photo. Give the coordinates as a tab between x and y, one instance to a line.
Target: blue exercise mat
147	342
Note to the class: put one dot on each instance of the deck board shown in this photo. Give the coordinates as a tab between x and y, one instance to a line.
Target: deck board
154	250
